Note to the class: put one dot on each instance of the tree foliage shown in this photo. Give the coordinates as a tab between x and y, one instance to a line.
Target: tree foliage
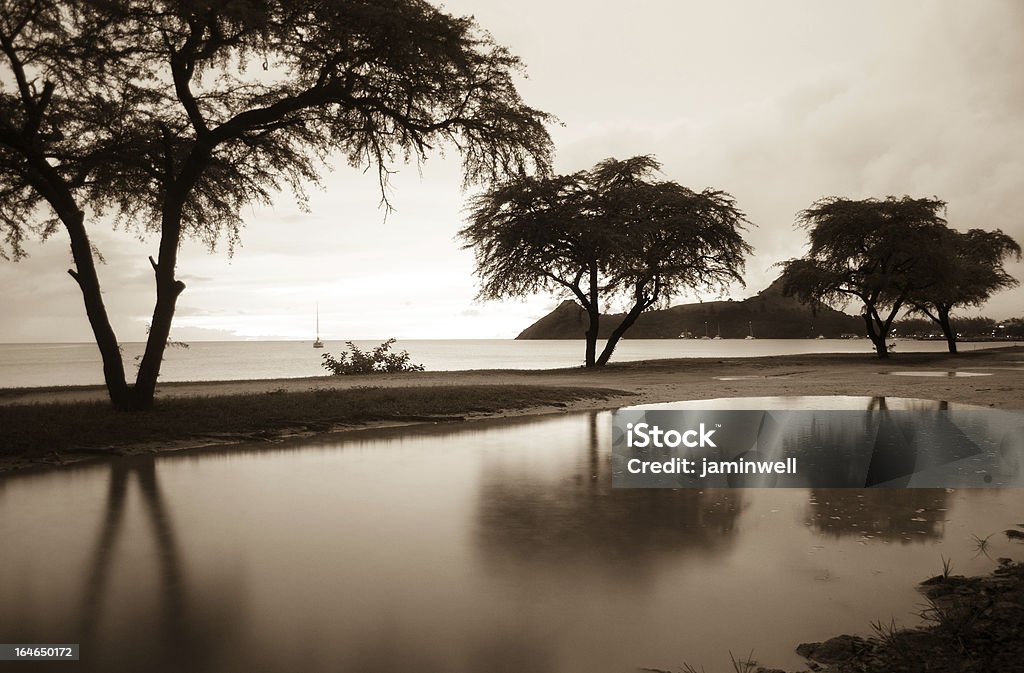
876	251
967	269
613	232
171	115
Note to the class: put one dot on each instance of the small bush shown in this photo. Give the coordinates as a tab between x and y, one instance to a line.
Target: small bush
380	360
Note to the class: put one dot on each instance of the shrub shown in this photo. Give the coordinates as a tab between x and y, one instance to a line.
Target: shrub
380	360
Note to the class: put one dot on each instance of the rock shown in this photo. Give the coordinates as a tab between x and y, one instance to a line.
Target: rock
834	650
806	649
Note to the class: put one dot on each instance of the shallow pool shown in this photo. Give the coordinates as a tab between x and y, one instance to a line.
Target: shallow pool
489	546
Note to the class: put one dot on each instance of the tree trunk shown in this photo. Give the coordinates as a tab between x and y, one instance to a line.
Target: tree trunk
947	329
617	333
88	281
46	180
594	314
591	334
167	291
881	348
159	332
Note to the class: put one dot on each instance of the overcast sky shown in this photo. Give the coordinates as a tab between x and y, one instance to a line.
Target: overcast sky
778	103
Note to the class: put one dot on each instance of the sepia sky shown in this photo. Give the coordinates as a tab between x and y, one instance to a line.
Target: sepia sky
778	103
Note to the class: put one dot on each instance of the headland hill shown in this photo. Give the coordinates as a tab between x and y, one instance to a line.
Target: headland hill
769	314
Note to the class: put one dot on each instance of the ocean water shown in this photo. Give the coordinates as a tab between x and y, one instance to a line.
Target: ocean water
56	364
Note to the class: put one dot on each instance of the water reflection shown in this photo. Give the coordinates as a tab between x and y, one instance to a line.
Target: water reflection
171	584
898	443
156	624
937	374
580	519
807	403
495	546
905	515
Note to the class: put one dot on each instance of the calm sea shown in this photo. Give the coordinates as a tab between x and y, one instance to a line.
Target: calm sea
26	365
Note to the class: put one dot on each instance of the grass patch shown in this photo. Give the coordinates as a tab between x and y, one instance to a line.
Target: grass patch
971	625
33	430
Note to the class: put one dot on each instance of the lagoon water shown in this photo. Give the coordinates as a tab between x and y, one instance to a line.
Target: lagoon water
487	546
24	365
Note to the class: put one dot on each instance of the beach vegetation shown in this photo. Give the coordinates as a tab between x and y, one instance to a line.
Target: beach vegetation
379	360
614	233
168	118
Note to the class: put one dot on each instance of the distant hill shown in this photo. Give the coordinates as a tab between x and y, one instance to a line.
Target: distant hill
769	313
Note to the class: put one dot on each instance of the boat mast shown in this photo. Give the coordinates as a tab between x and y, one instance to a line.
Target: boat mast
318	343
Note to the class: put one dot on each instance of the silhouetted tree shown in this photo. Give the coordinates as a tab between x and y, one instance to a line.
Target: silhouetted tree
610	232
876	251
967	270
173	115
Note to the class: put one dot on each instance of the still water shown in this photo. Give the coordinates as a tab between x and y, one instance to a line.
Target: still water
490	546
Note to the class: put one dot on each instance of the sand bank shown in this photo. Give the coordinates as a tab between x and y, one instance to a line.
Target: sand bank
1001	384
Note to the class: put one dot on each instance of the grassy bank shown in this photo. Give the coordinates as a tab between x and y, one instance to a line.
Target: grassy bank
970	625
35	430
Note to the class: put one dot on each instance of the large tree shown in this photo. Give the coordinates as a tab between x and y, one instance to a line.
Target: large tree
614	232
967	270
876	251
171	115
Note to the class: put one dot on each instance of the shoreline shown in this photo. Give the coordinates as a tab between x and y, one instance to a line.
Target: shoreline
999	385
640	376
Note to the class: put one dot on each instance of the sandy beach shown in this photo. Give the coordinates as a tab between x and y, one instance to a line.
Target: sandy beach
1000	384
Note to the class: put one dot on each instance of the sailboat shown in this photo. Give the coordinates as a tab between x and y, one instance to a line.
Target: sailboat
719	335
318	343
750	325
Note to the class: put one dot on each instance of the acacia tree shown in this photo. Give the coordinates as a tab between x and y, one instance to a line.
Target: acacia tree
608	233
966	272
173	115
879	252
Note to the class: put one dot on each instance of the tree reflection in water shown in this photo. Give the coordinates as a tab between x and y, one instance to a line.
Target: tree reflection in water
579	519
185	630
907	515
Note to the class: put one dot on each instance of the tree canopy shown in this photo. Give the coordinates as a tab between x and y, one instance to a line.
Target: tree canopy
967	269
172	115
876	251
613	232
